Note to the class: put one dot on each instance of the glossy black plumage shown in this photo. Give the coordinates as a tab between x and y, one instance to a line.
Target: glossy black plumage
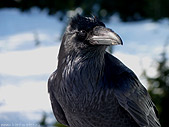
92	88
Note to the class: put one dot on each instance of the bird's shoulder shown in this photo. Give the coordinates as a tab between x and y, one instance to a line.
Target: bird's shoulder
57	109
51	81
114	69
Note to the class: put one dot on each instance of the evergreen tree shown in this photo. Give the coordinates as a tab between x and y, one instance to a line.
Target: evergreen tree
159	88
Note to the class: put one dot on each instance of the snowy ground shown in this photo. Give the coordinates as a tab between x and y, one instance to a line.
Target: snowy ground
25	67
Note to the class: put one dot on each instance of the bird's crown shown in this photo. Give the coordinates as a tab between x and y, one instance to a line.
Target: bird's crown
80	22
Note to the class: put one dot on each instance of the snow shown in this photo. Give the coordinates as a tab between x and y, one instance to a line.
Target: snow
144	37
15	42
29	62
23	83
25	67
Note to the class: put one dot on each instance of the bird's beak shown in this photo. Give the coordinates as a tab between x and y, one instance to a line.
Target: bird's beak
105	36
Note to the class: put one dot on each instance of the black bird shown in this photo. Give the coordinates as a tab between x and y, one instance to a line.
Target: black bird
92	88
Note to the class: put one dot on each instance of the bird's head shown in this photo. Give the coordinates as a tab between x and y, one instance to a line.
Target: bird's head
84	32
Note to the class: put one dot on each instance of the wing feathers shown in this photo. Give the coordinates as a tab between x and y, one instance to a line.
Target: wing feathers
57	109
131	94
135	99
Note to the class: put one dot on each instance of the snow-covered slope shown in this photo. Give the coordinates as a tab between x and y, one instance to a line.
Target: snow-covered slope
25	67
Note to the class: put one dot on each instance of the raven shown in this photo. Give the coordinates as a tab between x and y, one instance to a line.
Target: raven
92	88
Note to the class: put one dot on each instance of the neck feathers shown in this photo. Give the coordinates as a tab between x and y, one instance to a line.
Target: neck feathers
82	70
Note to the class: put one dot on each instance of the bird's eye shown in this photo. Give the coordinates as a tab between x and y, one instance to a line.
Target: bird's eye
82	33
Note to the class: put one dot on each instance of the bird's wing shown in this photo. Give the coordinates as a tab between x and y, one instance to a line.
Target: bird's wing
57	109
133	97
